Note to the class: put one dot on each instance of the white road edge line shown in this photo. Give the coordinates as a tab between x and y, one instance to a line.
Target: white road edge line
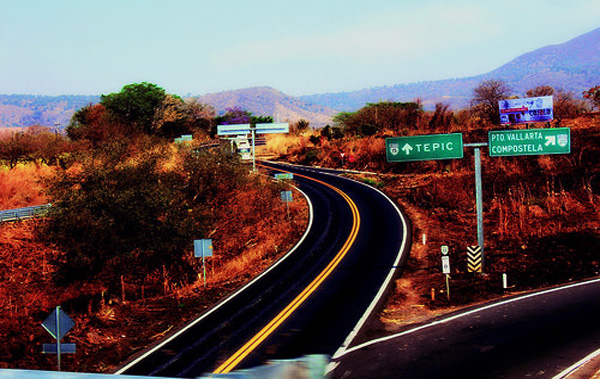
467	313
227	299
577	365
384	286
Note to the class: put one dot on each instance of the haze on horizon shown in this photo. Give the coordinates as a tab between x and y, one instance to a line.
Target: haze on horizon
299	47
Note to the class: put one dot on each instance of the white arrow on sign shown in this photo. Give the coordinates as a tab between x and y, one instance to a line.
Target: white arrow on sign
550	140
407	149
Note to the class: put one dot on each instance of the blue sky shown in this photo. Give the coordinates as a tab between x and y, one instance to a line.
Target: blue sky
53	47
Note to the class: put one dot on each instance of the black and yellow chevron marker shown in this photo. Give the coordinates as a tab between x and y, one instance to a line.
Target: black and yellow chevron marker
474	258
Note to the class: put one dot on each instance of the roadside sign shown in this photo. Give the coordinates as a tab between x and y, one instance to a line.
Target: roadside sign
203	248
65	348
58	323
233	130
522	111
286	196
505	143
284	175
424	147
444	250
445	264
272	128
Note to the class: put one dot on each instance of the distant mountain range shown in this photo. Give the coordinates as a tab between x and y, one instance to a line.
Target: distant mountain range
270	102
572	66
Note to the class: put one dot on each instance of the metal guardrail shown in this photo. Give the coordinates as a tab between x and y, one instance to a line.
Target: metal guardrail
23	213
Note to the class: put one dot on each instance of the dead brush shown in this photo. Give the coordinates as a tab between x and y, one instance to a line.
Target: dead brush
20	187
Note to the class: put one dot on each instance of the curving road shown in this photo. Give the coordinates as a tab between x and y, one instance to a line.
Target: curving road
315	300
541	334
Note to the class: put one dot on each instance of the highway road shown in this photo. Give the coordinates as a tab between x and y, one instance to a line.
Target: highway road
540	334
315	300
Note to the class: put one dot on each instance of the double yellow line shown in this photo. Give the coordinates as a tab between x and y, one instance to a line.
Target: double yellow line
245	350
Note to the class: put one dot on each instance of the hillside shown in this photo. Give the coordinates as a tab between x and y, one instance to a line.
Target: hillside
27	110
572	66
270	102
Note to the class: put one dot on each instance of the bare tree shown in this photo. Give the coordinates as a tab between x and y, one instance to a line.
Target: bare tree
486	96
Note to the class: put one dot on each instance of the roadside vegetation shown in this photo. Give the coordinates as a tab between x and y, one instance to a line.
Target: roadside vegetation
116	249
541	214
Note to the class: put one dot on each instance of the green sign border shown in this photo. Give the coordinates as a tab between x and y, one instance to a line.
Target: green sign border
534	150
426	138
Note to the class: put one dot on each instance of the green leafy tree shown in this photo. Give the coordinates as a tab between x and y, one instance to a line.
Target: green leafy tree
136	105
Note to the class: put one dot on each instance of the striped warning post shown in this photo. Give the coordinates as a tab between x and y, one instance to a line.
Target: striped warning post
474	258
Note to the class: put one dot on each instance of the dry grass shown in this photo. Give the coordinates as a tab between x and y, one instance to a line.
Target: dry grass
251	232
282	144
20	187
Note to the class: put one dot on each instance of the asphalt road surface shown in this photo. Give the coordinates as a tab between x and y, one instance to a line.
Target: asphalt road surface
310	302
536	335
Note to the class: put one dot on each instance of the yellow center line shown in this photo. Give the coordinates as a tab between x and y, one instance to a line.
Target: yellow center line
249	346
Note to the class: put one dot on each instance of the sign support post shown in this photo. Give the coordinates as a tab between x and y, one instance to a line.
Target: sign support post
446	269
479	202
58	324
203	248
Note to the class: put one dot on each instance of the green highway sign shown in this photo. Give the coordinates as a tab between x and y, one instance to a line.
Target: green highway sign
423	148
506	143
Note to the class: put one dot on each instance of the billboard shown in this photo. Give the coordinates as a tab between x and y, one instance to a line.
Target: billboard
522	111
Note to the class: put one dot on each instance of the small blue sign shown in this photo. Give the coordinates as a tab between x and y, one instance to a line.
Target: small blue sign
65	348
60	328
286	196
203	248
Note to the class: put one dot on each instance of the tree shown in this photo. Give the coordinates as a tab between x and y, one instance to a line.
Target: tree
235	115
593	95
541	91
18	147
113	214
199	116
564	103
441	118
383	115
136	105
170	118
238	115
486	96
